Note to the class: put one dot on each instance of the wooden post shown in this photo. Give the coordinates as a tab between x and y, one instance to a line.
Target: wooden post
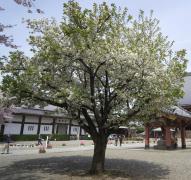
183	141
147	137
22	124
39	124
168	138
70	124
2	128
53	126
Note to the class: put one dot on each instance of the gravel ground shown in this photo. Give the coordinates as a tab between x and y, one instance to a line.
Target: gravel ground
120	164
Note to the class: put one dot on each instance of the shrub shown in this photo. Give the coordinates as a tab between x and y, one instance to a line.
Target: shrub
22	137
135	139
140	129
60	137
85	137
34	137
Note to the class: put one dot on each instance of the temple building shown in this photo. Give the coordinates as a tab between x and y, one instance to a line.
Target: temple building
25	121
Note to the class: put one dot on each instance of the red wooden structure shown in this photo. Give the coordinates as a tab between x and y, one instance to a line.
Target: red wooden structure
178	119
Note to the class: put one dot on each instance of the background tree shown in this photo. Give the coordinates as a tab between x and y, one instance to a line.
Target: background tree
101	65
5	106
6	109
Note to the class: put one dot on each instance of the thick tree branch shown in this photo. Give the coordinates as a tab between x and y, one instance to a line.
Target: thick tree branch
106	95
98	67
90	122
92	98
84	64
43	99
100	80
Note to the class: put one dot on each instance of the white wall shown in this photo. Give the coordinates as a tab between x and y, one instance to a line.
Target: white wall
75	130
47	120
33	119
82	132
65	121
17	118
187	89
30	129
12	128
46	129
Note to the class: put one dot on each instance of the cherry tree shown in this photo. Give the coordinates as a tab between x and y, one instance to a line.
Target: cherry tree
101	65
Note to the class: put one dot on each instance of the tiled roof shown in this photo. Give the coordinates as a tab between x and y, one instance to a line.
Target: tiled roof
176	110
40	112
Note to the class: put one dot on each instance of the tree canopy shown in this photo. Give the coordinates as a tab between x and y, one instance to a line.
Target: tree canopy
102	65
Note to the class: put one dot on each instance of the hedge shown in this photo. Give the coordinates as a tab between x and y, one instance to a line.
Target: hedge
53	137
85	137
57	137
135	139
60	137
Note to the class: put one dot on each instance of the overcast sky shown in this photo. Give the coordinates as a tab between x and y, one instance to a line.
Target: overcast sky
174	16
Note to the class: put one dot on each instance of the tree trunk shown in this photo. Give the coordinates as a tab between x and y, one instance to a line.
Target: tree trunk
98	161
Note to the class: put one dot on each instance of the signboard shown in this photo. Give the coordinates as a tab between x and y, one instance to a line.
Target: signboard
30	129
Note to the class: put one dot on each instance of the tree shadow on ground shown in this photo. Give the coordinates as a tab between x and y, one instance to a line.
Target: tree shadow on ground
76	167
